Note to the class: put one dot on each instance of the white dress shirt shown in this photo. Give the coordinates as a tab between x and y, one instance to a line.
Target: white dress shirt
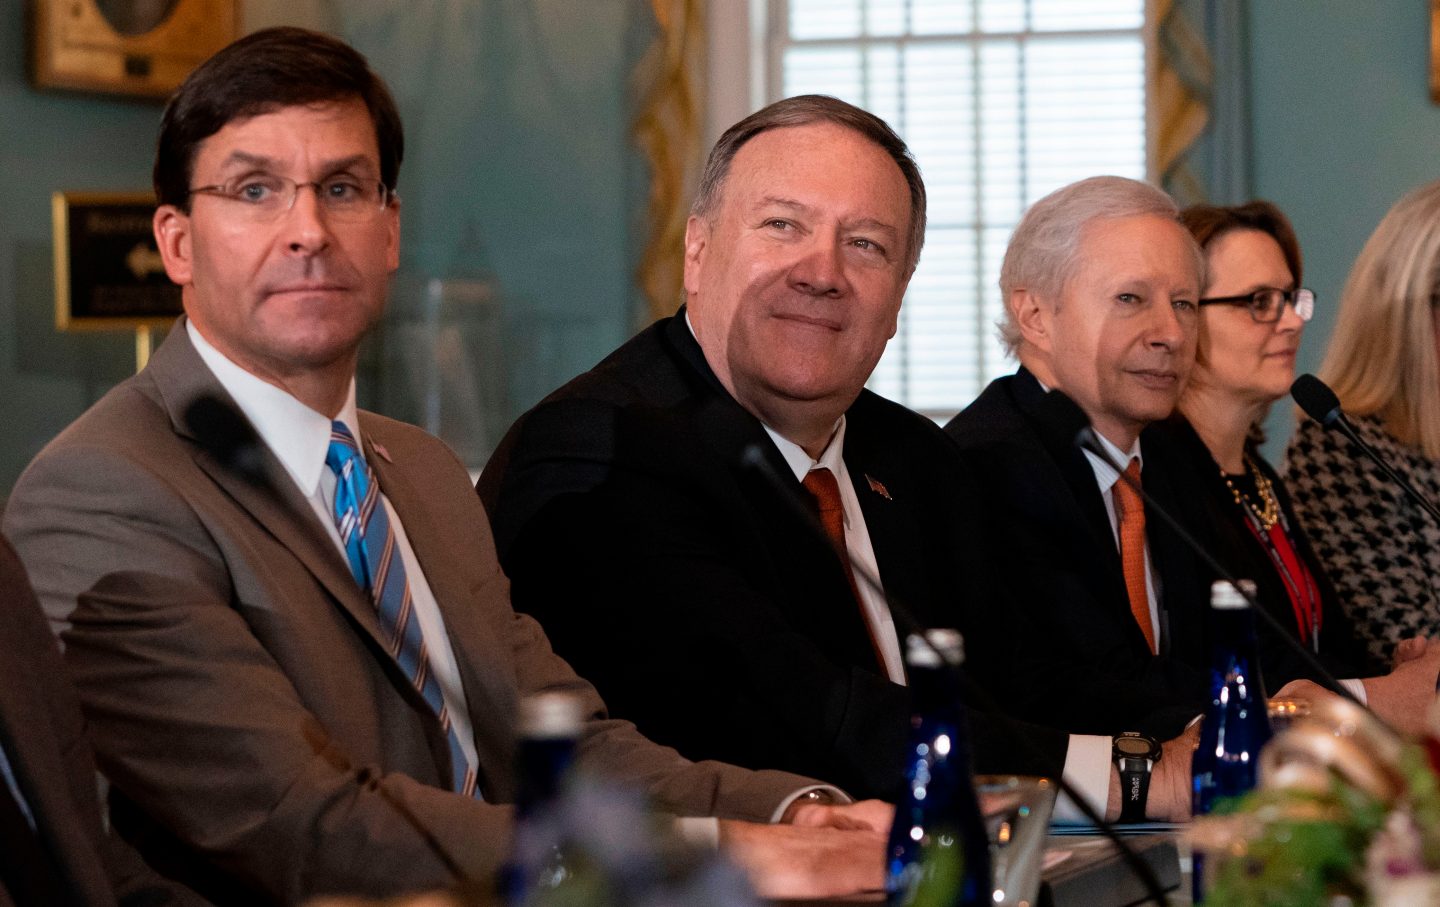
300	437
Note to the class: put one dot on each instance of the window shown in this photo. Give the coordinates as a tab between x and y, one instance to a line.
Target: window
1001	101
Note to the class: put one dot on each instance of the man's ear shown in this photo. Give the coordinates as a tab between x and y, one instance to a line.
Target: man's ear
392	235
172	236
1034	317
697	237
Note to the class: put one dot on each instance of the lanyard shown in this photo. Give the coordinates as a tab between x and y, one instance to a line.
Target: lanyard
1294	572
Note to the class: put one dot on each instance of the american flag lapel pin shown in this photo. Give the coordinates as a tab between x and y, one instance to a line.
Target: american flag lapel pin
878	487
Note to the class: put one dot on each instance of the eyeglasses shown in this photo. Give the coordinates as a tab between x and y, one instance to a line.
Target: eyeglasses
265	197
1268	304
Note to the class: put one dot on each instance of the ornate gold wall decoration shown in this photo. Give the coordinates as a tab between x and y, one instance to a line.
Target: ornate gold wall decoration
667	129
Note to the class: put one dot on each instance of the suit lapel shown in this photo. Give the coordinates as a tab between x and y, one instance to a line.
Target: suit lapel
275	503
889	518
1084	503
474	645
790	541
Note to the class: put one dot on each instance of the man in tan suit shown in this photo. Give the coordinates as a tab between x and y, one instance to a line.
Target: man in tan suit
270	729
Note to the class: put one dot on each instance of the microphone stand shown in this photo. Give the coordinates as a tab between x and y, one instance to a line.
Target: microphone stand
753	458
1338	421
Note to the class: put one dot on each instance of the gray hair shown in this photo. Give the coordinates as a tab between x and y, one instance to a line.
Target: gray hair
803	110
1044	247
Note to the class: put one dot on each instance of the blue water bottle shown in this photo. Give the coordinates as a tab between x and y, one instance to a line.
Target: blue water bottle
549	728
1237	719
938	852
1237	722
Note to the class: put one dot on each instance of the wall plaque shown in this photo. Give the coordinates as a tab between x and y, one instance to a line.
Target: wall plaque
131	47
108	270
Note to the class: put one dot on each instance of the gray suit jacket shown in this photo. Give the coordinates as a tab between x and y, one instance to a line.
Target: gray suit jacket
263	745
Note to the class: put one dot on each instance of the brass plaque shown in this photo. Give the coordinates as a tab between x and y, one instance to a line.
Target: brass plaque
142	48
108	270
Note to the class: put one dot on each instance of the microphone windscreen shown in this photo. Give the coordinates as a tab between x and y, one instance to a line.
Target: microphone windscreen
225	432
1061	419
1316	398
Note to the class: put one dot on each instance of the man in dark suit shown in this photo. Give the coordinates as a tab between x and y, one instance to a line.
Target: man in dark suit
284	615
1101	284
56	850
651	513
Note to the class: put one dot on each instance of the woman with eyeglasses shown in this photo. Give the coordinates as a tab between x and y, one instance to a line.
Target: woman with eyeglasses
1252	315
1382	552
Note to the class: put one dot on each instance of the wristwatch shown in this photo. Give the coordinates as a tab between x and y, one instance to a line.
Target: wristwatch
1135	755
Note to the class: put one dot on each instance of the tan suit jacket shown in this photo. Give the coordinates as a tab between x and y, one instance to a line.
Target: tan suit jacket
264	745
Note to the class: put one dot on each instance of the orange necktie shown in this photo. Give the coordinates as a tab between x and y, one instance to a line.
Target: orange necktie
1130	510
822	485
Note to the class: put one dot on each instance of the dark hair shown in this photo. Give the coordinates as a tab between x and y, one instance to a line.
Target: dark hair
803	110
264	71
1208	223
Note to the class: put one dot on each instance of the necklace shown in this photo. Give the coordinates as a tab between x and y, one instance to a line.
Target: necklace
1268	514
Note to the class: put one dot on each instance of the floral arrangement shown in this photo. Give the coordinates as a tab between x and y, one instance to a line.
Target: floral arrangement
1347	813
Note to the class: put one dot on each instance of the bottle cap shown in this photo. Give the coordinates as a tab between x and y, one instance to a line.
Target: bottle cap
944	642
550	716
1225	597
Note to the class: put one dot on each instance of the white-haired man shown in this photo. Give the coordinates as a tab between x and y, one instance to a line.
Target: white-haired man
1100	283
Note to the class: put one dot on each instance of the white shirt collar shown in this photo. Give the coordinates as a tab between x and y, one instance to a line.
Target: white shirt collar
297	435
1105	474
800	462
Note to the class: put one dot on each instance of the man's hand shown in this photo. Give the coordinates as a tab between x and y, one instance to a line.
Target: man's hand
866	815
1169	797
1409	649
788	861
1403	696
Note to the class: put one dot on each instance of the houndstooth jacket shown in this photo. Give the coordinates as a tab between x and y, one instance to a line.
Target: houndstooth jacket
1382	551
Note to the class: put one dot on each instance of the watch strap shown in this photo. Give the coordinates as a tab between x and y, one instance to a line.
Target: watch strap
1134	788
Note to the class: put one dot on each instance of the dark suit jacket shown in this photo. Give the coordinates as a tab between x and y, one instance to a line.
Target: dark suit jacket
1088	668
261	742
43	735
686	586
1210	513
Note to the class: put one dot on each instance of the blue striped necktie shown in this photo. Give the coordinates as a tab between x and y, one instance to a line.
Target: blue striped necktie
377	566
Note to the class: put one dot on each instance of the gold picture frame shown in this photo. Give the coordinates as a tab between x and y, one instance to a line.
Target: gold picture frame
1435	51
137	48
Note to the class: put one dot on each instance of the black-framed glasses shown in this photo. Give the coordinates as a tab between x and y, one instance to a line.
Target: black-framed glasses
1267	305
265	197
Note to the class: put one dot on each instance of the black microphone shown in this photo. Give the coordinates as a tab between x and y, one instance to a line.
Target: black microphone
229	437
1320	403
1317	399
1067	416
753	459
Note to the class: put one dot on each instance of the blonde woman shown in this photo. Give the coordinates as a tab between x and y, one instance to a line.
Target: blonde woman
1382	552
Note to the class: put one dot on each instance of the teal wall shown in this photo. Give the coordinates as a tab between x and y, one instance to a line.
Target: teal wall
519	169
50	142
519	164
1343	126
